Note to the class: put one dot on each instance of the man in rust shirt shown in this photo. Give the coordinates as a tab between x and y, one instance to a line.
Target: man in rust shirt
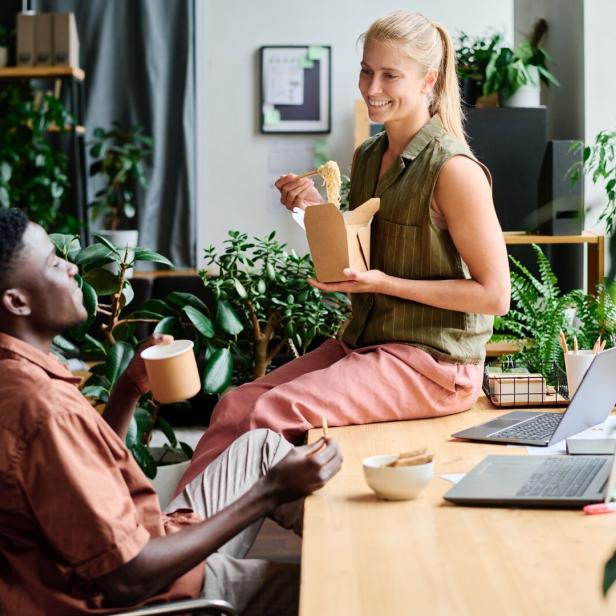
81	531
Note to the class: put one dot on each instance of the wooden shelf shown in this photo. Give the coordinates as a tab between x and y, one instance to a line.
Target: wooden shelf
80	130
528	238
595	248
41	72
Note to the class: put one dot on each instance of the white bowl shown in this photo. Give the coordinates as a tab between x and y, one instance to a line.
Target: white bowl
396	482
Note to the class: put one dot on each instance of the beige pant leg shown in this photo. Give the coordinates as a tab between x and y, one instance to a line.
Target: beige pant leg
252	586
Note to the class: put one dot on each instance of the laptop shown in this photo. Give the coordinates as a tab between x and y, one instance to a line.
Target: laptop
592	403
537	481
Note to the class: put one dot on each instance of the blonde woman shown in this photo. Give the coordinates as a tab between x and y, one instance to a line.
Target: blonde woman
423	314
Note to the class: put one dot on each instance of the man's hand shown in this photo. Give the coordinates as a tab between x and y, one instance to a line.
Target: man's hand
128	389
304	470
135	374
372	281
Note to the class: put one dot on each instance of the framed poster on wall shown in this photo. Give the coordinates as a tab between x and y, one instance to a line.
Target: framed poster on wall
296	89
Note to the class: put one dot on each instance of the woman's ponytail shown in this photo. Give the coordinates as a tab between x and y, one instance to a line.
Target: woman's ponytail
446	94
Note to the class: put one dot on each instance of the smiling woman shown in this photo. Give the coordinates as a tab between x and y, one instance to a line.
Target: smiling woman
424	311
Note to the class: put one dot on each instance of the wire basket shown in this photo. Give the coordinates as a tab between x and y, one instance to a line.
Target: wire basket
510	385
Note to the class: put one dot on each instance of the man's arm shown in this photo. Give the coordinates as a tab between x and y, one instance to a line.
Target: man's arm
164	559
129	388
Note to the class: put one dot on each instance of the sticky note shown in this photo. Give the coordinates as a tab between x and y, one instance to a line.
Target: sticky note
271	116
315	52
306	62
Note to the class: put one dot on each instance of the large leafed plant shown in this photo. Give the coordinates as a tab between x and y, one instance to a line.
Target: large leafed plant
540	311
110	335
268	288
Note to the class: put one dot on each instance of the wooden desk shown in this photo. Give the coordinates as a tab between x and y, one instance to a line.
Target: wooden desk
364	557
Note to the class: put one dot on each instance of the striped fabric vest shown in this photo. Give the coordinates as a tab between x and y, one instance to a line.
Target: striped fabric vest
406	244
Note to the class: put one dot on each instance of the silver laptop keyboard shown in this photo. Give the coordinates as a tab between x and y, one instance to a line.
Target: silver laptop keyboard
540	427
561	477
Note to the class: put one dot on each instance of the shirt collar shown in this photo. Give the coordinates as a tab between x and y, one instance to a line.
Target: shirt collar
430	130
46	361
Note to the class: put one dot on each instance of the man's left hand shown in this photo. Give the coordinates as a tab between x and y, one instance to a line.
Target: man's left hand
372	281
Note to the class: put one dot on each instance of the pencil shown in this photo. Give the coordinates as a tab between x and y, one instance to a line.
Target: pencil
324	426
563	342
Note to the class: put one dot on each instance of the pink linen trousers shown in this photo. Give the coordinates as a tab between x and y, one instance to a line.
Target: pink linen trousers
345	385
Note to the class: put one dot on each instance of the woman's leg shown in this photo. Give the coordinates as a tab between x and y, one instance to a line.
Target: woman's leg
384	383
233	409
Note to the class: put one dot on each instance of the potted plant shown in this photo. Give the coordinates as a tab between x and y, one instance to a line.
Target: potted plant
515	74
119	155
541	311
267	287
472	57
109	334
5	39
33	173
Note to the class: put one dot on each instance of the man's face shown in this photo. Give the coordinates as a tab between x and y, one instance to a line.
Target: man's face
52	298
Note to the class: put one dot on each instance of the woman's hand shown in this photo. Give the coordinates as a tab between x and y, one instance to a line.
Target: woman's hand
297	192
372	281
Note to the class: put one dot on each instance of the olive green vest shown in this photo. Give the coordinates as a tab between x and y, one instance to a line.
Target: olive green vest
406	244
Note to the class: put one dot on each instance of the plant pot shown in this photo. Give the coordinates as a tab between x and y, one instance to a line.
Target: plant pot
167	476
528	95
4	56
470	91
121	239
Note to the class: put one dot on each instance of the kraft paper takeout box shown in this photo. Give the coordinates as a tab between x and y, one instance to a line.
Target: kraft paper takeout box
339	241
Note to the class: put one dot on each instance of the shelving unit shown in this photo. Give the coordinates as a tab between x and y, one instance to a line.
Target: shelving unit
74	77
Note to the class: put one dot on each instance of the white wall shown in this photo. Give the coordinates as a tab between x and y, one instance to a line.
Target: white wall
599	89
564	41
232	156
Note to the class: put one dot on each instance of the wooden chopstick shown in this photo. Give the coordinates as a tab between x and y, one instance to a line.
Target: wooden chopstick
324	427
308	174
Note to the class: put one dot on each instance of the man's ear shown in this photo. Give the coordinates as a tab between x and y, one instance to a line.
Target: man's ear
16	302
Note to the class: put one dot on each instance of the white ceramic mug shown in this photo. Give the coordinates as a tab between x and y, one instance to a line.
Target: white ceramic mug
577	363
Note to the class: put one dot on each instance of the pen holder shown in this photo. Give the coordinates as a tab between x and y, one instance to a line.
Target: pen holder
576	364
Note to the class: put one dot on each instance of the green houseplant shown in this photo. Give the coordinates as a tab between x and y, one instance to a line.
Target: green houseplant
33	173
268	288
472	57
119	157
599	162
110	335
540	311
518	71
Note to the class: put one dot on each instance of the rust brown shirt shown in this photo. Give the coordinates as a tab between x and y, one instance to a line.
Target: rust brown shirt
74	505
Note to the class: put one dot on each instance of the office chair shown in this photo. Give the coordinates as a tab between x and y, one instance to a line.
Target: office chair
212	607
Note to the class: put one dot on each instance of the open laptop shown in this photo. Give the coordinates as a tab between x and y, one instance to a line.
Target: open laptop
537	481
592	403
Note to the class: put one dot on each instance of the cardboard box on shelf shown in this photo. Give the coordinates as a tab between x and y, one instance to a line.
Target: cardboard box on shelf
43	39
65	40
338	240
25	39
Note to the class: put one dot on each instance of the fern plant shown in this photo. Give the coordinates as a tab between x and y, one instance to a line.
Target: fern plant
541	311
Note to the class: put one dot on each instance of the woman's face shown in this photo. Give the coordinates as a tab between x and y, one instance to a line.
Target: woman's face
391	83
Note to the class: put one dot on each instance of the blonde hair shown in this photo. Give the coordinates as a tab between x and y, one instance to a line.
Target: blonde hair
430	45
